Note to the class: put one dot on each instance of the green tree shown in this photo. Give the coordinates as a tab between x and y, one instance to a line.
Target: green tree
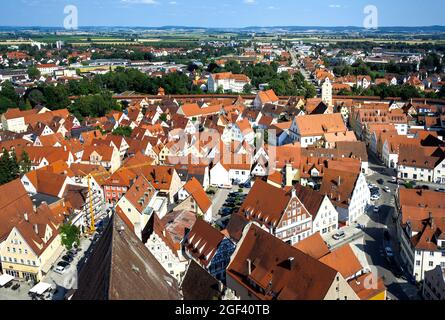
123	131
70	235
25	163
8	167
163	117
14	166
5	104
247	89
33	73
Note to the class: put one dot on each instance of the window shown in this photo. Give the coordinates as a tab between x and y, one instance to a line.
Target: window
431	263
431	254
417	263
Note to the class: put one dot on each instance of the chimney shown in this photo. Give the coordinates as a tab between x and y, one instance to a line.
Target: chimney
36	229
291	262
249	267
339	180
25	216
34	208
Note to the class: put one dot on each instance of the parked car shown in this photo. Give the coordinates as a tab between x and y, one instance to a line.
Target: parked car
380	181
8	285
440	190
63	264
387	189
394	179
67	258
389	253
247	185
15	287
59	269
339	235
226	211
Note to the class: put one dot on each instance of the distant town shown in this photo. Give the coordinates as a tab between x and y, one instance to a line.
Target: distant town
204	164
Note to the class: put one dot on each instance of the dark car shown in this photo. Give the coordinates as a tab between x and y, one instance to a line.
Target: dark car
8	285
230	200
15	287
380	181
63	264
248	184
386	235
227	211
67	258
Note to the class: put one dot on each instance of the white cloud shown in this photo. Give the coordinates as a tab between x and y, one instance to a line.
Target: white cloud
250	1
335	6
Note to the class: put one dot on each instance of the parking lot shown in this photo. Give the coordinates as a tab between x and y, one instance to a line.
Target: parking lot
226	202
68	279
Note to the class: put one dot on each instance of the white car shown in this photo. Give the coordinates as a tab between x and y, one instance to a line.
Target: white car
387	189
339	235
59	269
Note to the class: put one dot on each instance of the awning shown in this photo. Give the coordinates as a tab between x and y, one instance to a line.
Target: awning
40	288
5	278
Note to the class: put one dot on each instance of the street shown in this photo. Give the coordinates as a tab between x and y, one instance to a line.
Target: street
374	241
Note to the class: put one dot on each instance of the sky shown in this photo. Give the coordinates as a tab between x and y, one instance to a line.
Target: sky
221	13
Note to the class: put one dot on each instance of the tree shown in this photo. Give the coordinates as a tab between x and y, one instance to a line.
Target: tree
233	66
36	97
14	167
123	131
33	73
70	235
247	89
163	117
25	163
5	104
9	168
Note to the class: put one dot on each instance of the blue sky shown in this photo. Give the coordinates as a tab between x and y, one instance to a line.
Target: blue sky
221	13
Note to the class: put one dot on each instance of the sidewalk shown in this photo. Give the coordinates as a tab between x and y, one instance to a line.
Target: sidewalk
352	233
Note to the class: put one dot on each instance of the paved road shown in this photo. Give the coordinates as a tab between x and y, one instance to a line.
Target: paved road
296	63
374	242
218	201
68	280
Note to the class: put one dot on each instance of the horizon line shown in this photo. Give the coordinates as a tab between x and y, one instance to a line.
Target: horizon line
223	27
